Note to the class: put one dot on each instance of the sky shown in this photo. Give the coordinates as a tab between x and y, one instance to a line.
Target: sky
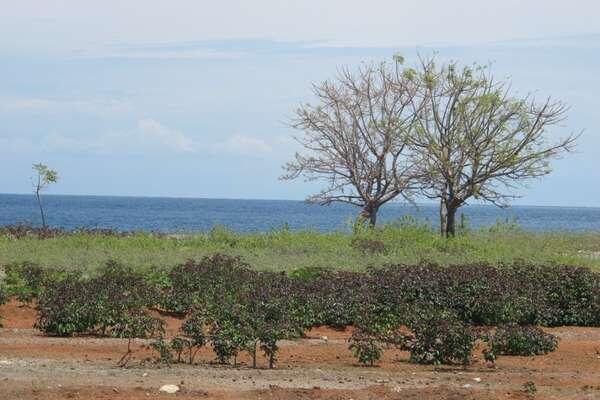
192	98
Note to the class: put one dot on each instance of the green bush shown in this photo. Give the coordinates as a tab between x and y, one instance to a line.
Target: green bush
162	347
440	338
365	347
25	280
235	308
515	340
101	305
195	284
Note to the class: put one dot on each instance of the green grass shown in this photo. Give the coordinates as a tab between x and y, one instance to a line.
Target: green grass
405	242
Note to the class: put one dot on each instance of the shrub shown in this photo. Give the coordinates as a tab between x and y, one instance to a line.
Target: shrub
365	347
20	231
484	295
515	340
101	305
25	280
3	298
331	298
163	349
440	338
137	323
272	310
265	312
3	294
194	333
64	307
209	280
571	296
224	344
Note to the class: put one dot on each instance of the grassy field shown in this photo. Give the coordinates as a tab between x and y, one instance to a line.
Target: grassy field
282	250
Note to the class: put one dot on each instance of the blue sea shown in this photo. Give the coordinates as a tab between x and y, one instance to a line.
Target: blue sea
171	215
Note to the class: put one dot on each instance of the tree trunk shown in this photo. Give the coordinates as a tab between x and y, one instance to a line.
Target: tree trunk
37	194
451	224
369	214
447	218
443	218
271	360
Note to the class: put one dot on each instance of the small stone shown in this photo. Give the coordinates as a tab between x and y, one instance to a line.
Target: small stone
145	374
477	379
467	386
171	389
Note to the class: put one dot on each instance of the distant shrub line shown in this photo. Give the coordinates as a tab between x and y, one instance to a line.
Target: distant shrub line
20	231
431	311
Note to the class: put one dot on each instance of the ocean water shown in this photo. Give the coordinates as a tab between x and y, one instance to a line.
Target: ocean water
186	214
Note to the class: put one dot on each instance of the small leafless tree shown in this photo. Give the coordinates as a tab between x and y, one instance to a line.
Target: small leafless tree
354	138
477	140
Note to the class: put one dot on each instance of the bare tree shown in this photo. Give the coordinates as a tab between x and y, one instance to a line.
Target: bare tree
477	140
45	176
354	138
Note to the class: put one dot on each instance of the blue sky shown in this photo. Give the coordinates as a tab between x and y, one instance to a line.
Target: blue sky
190	98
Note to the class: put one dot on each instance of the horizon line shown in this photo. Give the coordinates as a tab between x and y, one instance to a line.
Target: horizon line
277	199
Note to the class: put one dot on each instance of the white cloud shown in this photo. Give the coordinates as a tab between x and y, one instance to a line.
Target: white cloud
153	131
54	106
149	137
244	145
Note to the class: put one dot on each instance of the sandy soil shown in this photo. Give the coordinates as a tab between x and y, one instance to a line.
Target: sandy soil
33	366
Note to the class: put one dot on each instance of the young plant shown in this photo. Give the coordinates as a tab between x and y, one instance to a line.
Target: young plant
163	349
45	176
138	324
178	345
365	347
515	340
272	308
194	335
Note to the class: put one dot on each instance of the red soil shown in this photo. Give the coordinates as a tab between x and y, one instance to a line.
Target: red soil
571	372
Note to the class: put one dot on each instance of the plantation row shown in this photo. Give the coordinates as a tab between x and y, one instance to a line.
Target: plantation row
435	313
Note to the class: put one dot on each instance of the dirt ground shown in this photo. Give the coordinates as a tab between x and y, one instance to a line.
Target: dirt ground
33	366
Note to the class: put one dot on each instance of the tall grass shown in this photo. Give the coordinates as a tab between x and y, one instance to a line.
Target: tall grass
405	241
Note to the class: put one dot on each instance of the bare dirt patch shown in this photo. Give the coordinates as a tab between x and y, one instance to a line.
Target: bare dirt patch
319	366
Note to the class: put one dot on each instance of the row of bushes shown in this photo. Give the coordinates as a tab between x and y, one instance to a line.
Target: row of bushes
427	310
20	231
